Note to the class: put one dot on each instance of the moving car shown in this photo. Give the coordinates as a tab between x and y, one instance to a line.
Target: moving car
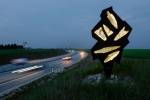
19	61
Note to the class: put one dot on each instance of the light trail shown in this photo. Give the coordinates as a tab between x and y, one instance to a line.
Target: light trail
27	69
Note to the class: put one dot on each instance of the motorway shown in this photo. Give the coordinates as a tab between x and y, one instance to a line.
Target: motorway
12	80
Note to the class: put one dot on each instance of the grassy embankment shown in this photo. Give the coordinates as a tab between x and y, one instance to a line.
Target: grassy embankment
7	55
68	85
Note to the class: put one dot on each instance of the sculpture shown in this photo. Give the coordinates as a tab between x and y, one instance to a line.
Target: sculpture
111	33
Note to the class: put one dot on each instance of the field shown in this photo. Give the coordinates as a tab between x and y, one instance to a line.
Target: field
137	53
134	53
7	55
69	84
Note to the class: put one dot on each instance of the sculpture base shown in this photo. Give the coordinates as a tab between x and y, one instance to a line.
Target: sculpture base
96	78
108	70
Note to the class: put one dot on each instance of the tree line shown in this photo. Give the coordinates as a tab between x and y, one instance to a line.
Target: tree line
11	46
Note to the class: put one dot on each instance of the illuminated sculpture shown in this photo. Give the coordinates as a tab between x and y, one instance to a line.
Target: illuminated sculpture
111	34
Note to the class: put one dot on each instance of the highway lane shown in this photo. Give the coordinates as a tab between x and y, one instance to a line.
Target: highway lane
10	81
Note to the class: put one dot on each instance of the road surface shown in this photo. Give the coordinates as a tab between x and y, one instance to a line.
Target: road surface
12	80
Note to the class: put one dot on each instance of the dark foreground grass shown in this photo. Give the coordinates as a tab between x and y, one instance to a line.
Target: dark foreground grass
7	55
69	86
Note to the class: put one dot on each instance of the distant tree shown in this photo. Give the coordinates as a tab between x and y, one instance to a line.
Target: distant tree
1	46
11	46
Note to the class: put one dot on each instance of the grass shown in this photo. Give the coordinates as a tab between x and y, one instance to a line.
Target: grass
68	85
137	53
7	55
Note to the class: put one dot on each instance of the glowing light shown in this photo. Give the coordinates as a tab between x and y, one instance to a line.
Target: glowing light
26	69
111	56
67	58
112	19
82	54
100	34
107	30
121	34
107	49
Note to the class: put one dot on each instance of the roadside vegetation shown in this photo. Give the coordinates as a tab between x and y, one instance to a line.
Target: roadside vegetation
9	54
69	84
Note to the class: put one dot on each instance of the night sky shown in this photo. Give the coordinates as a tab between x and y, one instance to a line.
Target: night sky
68	23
